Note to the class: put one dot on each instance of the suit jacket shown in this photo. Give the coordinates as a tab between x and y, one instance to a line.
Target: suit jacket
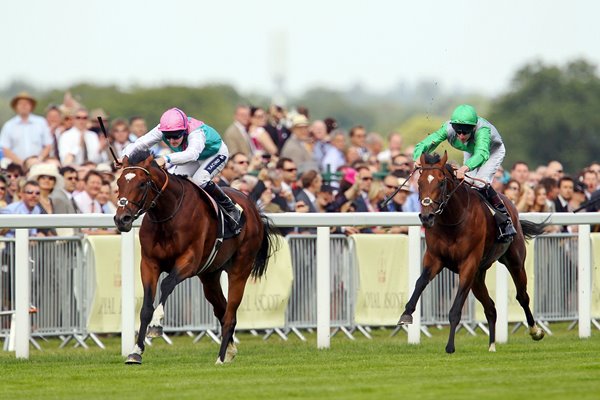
295	149
560	208
237	141
301	195
61	203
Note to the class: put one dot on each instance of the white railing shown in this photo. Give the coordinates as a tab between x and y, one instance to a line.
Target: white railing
322	222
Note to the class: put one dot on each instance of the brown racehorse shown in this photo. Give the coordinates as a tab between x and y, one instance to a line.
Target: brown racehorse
177	235
460	233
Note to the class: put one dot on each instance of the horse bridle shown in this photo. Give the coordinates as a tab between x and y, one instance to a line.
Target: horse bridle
150	185
427	201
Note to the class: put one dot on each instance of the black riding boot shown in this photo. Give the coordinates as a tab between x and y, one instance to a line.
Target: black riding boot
231	210
507	230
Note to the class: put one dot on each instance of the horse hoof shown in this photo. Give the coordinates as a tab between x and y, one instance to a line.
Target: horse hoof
134	358
230	353
450	349
492	348
536	333
154	331
219	362
405	319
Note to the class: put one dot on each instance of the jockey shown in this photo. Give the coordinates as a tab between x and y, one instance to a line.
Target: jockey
483	152
198	152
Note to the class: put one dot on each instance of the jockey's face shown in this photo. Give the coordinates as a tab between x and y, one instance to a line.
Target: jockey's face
175	142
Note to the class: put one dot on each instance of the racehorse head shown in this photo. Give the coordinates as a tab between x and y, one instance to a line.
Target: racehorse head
137	190
433	186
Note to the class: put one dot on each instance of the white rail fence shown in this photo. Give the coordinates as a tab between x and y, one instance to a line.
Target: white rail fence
322	222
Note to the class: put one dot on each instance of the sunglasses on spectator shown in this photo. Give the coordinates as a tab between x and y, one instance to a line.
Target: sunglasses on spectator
2	187
290	169
30	192
47	177
243	162
81	117
12	176
72	178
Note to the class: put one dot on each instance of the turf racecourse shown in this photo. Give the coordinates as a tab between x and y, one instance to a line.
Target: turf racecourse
561	366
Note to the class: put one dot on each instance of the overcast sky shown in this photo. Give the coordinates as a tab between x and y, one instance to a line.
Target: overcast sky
337	43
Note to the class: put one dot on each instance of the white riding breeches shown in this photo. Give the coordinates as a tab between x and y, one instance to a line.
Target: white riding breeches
203	171
487	171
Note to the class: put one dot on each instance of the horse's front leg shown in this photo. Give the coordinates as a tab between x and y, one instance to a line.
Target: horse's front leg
150	274
466	275
432	266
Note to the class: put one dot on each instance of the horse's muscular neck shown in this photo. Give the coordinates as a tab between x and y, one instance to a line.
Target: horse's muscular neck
168	200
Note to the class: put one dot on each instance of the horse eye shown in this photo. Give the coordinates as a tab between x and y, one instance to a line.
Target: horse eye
142	184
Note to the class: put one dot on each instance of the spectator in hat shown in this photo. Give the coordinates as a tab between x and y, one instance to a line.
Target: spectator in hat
299	147
48	177
25	134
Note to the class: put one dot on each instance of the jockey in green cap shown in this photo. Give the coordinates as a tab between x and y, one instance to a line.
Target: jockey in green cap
483	152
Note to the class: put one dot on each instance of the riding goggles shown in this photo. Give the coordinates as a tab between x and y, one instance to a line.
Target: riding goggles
173	134
463	128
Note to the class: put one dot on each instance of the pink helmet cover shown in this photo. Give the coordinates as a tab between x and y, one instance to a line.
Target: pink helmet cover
173	120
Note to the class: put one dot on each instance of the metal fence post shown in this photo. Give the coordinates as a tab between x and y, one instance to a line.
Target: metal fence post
584	282
414	271
323	289
22	293
127	293
501	303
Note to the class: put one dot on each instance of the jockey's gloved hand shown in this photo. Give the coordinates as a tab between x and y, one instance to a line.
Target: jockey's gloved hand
118	164
161	161
460	173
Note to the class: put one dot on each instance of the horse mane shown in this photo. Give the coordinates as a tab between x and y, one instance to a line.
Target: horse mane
138	156
432	158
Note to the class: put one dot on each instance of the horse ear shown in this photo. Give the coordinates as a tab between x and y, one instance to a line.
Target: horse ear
125	161
422	159
444	158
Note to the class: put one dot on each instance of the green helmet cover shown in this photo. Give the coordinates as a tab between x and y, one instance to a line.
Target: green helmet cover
464	114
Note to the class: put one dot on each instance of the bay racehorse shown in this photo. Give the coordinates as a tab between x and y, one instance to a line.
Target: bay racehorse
178	236
460	233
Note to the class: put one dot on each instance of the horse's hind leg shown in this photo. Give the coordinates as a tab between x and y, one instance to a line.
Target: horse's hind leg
519	277
238	275
481	293
432	266
150	275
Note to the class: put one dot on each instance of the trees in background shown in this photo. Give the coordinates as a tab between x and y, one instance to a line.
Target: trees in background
551	113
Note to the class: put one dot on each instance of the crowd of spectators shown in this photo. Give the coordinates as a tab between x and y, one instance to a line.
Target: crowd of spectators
285	161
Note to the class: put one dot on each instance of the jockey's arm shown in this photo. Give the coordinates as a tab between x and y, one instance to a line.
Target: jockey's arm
143	142
481	153
432	141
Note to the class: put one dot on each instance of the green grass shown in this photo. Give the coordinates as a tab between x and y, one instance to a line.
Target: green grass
559	367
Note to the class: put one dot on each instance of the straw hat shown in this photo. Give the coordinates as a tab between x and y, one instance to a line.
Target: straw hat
23	95
299	120
47	169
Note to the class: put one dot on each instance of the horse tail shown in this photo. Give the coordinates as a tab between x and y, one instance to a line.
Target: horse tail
268	246
531	229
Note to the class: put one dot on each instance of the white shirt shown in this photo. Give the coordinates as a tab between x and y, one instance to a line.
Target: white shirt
86	204
25	138
70	143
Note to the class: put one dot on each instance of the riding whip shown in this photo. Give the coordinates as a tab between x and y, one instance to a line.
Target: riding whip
112	151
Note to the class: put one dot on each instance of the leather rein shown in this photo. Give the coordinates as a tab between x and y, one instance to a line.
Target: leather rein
150	185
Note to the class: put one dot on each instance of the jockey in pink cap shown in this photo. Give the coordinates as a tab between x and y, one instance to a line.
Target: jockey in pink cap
197	151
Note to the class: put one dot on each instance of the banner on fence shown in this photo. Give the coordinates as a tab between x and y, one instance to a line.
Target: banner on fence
382	262
105	311
515	311
266	299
